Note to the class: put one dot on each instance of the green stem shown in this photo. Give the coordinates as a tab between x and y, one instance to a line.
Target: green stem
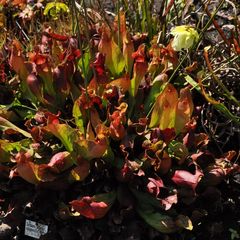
216	79
210	20
230	60
148	18
80	45
119	23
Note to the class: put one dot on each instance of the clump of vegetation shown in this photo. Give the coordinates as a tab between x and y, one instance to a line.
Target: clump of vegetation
103	117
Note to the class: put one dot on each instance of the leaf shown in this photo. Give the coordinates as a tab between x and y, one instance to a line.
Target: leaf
190	69
184	222
46	74
128	50
230	155
154	186
122	83
77	114
224	110
128	47
28	171
39	173
168	7
161	222
219	106
20	3
3	2
168	201
64	133
21	67
5	125
168	134
60	161
139	70
3	35
192	82
6	148
184	109
61	78
166	163
214	175
99	68
146	198
149	209
157	64
158	81
201	139
17	61
178	151
36	173
45	173
4	154
90	149
35	86
164	112
114	57
186	179
57	37
117	130
171	112
80	172
94	207
84	64
109	156
26	168
31	172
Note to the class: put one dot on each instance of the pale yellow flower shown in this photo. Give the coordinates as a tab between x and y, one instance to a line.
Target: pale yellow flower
184	37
